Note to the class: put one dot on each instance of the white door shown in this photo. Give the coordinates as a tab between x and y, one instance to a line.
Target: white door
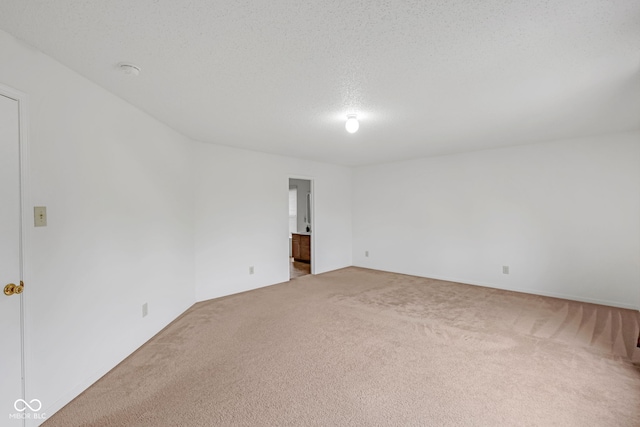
10	270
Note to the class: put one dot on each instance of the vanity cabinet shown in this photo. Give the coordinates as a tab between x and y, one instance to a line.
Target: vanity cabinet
301	247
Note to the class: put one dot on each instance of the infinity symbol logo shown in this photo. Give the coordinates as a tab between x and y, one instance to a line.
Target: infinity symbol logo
27	405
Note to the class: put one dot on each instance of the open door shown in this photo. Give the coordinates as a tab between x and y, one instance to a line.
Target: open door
13	408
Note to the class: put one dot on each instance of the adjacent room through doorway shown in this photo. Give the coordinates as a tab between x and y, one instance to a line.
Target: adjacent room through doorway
300	229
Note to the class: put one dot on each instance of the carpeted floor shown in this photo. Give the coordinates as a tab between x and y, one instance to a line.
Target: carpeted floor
366	348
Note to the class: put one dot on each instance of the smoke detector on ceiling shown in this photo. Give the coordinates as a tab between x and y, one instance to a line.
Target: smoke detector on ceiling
129	69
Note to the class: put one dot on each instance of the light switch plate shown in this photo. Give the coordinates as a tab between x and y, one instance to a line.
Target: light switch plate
40	216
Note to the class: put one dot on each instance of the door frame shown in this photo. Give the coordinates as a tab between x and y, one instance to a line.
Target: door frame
312	209
23	130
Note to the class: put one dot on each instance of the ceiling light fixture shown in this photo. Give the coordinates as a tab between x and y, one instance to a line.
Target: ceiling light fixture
352	124
129	69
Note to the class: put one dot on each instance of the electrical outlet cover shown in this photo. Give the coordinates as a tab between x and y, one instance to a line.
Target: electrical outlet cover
40	216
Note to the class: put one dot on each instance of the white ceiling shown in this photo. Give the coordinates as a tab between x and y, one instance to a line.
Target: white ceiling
426	77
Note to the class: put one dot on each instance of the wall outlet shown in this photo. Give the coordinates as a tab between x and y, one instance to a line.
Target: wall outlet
145	309
40	216
251	271
366	253
505	269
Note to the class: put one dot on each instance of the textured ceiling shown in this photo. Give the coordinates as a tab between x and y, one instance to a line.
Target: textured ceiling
425	77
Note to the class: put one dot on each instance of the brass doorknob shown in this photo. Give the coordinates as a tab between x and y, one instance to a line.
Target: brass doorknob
10	289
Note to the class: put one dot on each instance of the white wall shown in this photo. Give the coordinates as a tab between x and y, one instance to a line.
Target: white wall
242	218
564	216
118	186
304	187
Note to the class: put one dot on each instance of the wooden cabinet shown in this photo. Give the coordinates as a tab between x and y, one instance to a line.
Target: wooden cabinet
301	247
295	246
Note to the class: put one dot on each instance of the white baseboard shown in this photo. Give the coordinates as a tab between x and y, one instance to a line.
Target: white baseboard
521	290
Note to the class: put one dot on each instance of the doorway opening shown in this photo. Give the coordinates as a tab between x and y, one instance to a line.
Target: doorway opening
300	227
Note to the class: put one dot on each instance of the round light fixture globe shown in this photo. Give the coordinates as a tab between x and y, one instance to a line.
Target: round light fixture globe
352	124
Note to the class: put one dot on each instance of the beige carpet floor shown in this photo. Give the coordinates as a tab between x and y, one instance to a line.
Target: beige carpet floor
365	348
